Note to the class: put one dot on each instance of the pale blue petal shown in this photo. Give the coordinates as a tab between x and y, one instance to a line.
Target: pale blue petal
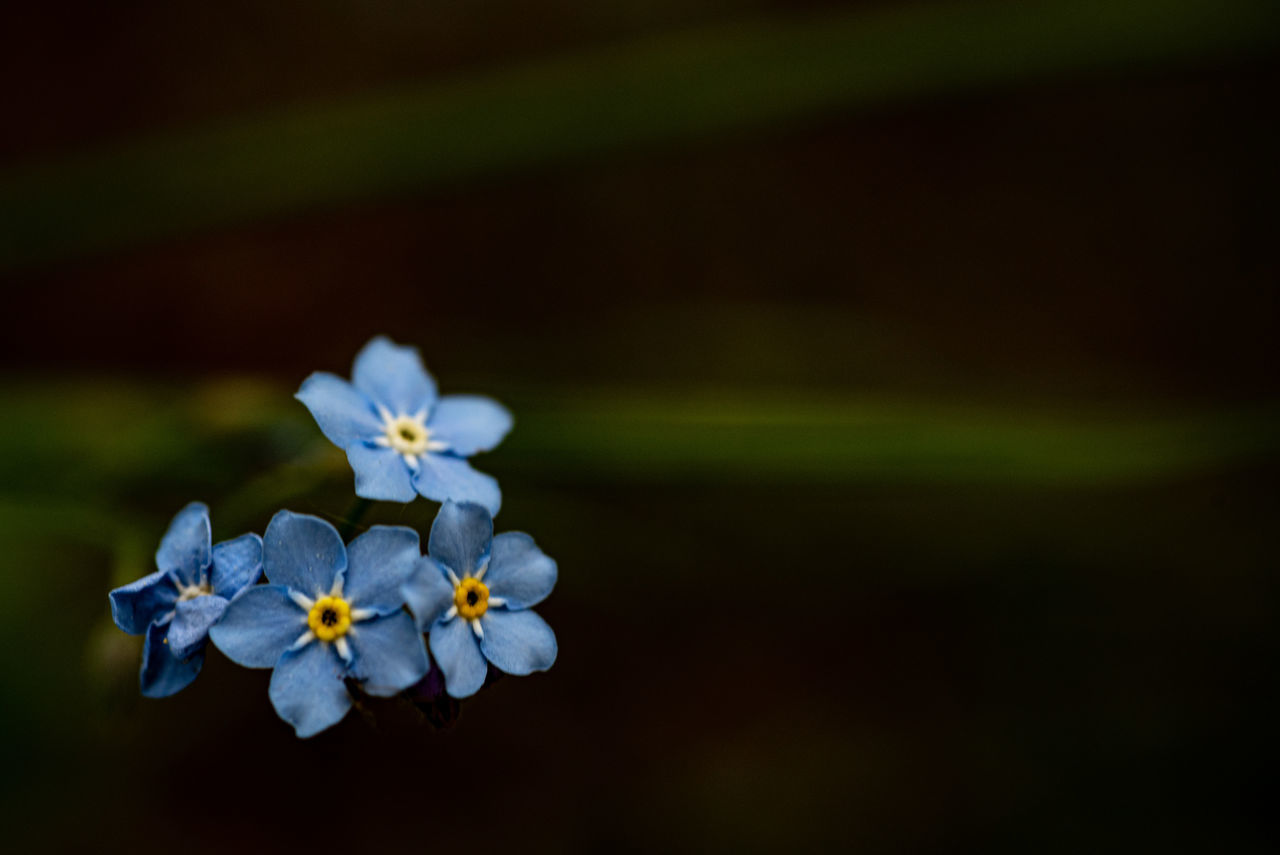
258	626
185	547
389	654
307	689
519	572
162	673
381	474
458	654
443	476
191	621
344	413
237	564
379	562
461	537
393	376
302	552
468	423
428	593
136	605
517	642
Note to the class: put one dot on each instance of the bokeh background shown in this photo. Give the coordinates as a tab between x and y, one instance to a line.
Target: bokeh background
895	383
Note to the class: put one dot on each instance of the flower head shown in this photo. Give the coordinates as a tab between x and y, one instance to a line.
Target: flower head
176	605
331	612
400	438
474	596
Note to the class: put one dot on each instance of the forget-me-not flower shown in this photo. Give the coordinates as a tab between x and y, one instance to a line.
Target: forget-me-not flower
474	595
176	605
330	612
400	438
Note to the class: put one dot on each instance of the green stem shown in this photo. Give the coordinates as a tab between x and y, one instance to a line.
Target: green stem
665	90
350	521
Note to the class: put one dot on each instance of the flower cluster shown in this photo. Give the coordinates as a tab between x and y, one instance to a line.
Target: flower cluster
328	617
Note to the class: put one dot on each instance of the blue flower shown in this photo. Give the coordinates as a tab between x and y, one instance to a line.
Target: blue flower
474	596
330	613
176	605
402	440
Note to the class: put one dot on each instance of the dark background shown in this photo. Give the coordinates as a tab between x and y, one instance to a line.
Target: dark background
895	384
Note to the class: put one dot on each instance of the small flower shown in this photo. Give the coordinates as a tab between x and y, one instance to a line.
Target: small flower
330	613
474	594
401	440
176	605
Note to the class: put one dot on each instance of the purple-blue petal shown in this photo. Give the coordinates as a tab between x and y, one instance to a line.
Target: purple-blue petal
393	375
302	552
344	413
162	673
136	605
468	423
185	547
307	689
428	593
379	562
443	477
457	652
517	642
519	572
191	621
461	537
381	474
237	564
258	626
389	654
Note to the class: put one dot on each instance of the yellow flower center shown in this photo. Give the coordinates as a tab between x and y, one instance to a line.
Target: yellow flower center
191	592
471	596
407	435
330	618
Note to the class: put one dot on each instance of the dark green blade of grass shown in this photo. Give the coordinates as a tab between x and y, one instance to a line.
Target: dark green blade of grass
619	437
97	467
663	91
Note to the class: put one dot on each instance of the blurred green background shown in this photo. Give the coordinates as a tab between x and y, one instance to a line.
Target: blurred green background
894	382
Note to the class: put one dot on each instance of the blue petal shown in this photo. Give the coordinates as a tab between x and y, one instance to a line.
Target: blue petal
458	654
461	537
443	477
381	474
258	626
379	562
469	423
237	564
393	376
185	547
428	593
389	654
345	414
302	552
307	689
518	571
517	642
162	673
191	622
136	605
